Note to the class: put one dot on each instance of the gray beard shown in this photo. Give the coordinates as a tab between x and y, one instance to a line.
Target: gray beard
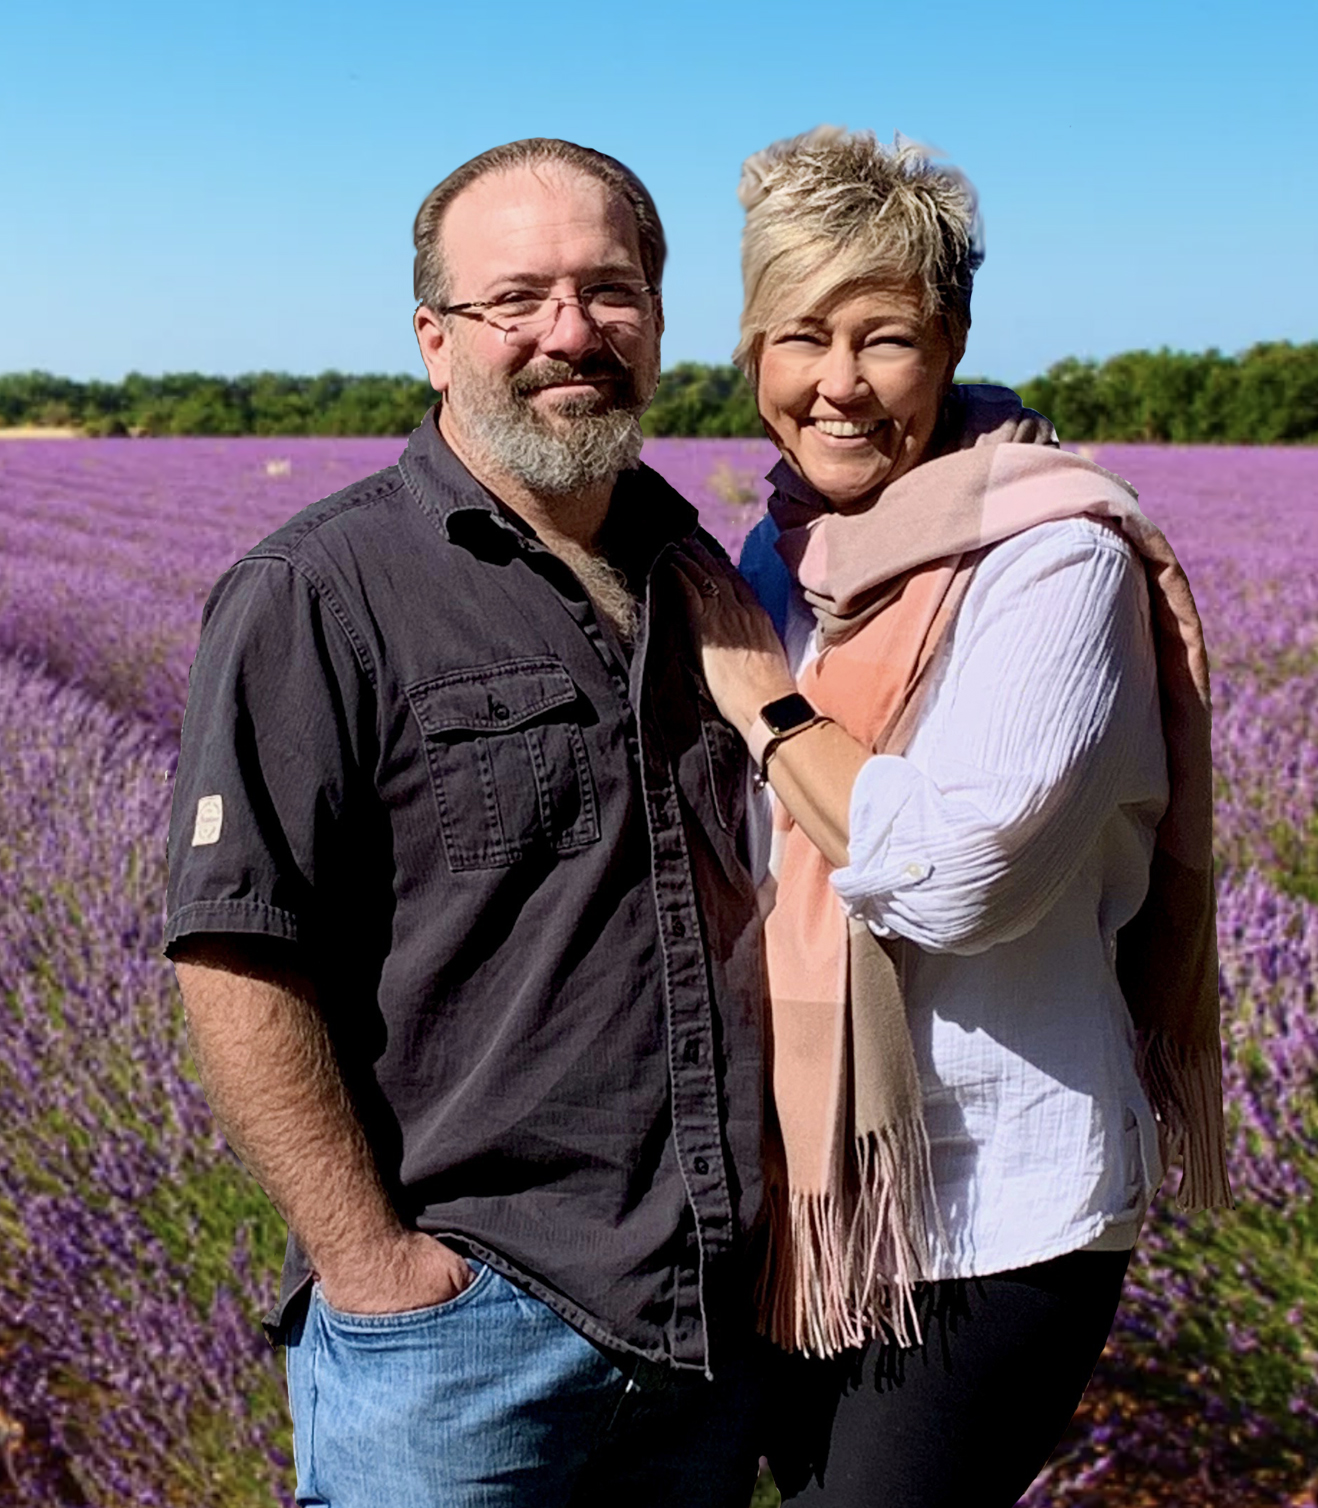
584	450
605	585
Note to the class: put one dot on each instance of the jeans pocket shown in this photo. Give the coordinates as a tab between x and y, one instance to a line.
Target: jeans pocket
483	1399
508	762
394	1325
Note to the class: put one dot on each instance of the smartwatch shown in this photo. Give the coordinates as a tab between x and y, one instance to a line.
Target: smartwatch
777	722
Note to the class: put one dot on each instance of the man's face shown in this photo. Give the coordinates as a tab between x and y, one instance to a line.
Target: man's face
557	409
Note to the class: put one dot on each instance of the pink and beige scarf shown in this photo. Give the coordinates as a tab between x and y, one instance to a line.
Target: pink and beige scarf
850	1187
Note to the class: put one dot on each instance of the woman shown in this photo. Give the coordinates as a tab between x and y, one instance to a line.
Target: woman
991	1027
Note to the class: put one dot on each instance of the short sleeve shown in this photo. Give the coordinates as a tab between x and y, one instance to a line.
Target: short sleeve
270	761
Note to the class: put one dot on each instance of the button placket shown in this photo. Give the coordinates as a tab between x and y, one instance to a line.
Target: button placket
689	1021
695	1100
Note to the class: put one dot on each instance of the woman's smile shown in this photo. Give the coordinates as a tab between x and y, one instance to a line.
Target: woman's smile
846	429
851	394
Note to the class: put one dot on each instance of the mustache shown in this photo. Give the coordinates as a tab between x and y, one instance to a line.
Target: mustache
550	373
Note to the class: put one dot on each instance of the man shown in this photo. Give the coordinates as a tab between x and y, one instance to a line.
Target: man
469	953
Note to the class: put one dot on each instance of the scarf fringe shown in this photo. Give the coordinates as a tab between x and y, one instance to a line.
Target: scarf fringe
1184	1086
840	1273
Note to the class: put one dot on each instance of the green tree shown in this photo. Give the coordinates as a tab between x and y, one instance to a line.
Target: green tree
694	399
1069	393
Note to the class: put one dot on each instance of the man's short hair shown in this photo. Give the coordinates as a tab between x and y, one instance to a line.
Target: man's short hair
832	209
429	274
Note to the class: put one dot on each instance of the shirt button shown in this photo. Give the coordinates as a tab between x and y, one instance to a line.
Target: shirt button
678	928
500	712
701	1166
917	870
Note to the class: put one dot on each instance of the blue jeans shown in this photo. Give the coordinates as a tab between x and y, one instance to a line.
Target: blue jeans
492	1401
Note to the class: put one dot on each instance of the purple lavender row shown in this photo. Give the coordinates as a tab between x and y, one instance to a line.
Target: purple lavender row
1265	755
107	1365
1210	1374
109	547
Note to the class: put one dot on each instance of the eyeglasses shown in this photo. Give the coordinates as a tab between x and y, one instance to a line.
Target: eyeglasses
526	315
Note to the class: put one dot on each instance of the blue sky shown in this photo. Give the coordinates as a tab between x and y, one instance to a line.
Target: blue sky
231	187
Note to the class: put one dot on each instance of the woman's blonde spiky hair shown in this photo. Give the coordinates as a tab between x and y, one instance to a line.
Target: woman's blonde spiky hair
831	209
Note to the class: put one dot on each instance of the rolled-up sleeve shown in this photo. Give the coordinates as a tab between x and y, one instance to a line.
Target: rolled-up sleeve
1044	721
269	758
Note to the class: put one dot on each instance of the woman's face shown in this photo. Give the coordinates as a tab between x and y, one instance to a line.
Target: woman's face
851	395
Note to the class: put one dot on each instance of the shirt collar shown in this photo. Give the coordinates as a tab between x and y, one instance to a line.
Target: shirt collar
438	480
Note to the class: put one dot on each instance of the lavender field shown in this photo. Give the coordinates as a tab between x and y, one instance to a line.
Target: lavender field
136	1255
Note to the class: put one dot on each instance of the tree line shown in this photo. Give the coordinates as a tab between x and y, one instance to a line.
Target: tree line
1267	395
188	403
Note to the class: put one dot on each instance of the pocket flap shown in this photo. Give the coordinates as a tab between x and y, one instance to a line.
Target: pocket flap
491	698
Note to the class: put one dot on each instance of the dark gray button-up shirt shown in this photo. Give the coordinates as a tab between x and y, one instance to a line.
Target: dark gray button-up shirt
509	854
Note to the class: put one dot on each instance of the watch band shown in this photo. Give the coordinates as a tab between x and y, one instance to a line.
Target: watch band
759	738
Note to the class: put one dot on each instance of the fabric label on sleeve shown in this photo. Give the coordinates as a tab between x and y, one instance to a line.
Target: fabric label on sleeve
210	815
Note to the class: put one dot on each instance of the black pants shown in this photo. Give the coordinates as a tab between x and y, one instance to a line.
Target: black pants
966	1419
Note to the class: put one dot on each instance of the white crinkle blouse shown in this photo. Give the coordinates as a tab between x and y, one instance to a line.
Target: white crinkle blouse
1008	844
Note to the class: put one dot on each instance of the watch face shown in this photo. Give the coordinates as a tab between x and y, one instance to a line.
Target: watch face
788	712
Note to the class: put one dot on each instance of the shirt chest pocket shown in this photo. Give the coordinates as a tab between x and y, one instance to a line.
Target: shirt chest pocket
508	762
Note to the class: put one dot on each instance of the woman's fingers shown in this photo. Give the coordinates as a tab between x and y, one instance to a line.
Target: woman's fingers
744	594
715	568
723	608
741	656
716	578
705	580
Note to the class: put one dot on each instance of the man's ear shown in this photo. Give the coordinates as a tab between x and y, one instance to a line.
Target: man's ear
659	313
432	339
